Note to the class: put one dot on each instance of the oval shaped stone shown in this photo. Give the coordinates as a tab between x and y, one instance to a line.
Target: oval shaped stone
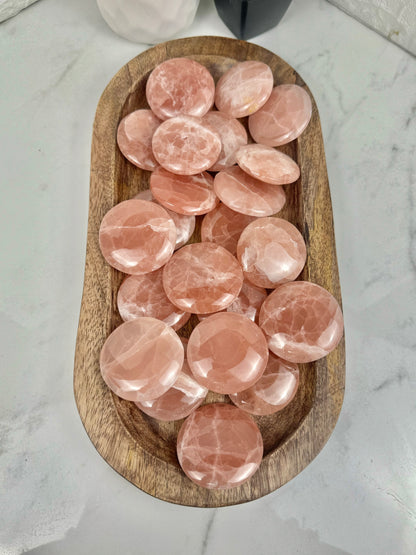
180	86
244	88
137	236
185	145
271	251
219	446
141	359
302	321
283	118
134	138
273	391
267	164
232	135
245	194
202	278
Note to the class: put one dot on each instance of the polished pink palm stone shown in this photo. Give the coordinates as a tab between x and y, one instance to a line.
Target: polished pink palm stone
134	138
283	118
232	135
302	321
202	278
186	145
180	86
244	88
141	359
246	194
141	296
219	446
184	194
227	352
137	236
267	164
223	226
273	391
271	251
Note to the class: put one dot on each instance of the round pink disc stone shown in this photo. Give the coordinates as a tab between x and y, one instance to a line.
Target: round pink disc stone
273	391
190	195
180	86
232	135
245	194
244	88
227	352
271	251
141	359
137	236
302	321
267	164
134	138
219	446
141	296
283	118
186	145
202	278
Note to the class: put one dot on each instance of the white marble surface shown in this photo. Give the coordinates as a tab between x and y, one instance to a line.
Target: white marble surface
57	495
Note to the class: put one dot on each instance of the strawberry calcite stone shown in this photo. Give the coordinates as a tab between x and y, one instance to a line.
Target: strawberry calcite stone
273	391
185	194
180	86
134	138
283	118
202	278
271	251
141	296
267	164
227	352
186	145
244	88
232	135
246	194
137	236
302	321
141	359
219	446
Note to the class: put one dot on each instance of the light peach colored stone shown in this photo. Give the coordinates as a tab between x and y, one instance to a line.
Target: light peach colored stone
271	251
245	194
283	118
232	135
267	164
134	138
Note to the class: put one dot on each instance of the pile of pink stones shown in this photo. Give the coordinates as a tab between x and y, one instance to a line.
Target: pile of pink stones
248	341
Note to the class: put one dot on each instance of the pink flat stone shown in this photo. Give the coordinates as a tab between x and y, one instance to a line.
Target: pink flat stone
244	88
232	135
302	321
267	164
184	194
223	226
227	352
219	446
137	236
185	145
202	278
283	118
180	86
245	194
273	391
271	251
141	359
141	296
134	138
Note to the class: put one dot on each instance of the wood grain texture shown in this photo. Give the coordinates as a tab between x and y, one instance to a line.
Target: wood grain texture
143	449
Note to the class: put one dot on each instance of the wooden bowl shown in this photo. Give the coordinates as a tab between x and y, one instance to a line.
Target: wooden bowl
143	449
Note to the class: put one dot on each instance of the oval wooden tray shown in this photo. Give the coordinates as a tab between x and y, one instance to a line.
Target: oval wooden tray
142	449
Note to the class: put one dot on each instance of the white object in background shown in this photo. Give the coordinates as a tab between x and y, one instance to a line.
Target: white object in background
395	19
9	8
148	21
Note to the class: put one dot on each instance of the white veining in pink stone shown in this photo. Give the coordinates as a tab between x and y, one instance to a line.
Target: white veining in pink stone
267	164
134	138
232	135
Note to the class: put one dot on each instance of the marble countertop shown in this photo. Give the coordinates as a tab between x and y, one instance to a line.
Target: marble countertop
57	495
